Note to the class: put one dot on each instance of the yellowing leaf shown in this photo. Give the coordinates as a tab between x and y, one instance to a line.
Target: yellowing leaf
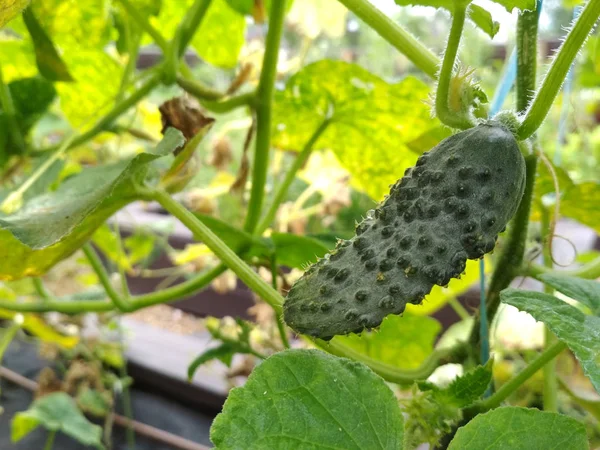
18	59
371	121
40	329
190	253
9	9
314	17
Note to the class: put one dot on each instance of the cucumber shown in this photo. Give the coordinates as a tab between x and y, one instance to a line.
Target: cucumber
448	208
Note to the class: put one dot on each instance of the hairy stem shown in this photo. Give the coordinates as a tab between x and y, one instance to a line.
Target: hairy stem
442	111
289	178
278	317
264	100
198	90
527	27
221	250
559	68
550	390
401	39
511	258
391	373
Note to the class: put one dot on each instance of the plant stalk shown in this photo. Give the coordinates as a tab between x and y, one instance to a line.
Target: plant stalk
588	271
401	39
145	25
289	177
264	100
221	250
527	28
442	111
558	70
191	23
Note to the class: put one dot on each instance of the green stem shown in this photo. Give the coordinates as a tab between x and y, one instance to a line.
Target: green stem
512	385
588	271
127	409
278	317
220	249
558	70
289	177
511	258
142	21
401	39
8	107
458	308
550	389
264	99
197	90
40	289
442	111
134	46
527	28
227	104
391	373
191	23
104	278
64	307
114	113
50	440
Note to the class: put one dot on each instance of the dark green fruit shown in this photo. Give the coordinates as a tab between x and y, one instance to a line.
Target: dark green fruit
449	208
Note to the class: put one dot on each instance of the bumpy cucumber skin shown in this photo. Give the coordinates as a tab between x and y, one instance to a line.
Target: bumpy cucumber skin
449	208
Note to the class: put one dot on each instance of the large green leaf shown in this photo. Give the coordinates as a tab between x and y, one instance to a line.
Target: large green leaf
370	120
219	37
580	332
580	202
9	9
52	226
517	428
584	291
18	59
403	342
56	412
301	399
49	63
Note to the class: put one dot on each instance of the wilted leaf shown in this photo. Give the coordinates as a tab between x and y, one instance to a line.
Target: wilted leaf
402	341
52	226
56	412
300	399
370	120
9	9
521	429
580	332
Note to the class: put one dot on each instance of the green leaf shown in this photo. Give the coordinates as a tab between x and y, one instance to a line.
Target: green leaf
300	399
401	341
517	428
584	291
466	389
56	412
223	352
9	9
522	5
429	139
297	251
22	91
18	59
94	402
49	63
52	226
580	202
220	36
580	332
483	19
371	121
